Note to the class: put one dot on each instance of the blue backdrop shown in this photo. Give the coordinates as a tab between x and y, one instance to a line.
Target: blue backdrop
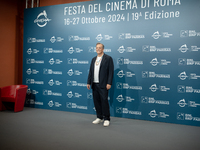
154	45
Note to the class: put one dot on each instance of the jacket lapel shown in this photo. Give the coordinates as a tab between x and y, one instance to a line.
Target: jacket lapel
103	60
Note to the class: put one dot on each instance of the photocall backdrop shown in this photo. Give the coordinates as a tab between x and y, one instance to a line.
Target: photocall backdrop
154	45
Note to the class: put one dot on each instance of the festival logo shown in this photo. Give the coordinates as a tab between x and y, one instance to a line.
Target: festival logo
42	19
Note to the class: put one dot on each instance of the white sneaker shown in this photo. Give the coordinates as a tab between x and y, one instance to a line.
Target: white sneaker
97	121
106	123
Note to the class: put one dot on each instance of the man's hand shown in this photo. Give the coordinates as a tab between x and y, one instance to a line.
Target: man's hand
108	86
88	86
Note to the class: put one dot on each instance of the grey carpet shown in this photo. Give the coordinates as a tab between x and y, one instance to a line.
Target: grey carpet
35	129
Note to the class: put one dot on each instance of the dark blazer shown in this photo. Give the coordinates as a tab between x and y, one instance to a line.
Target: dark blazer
106	71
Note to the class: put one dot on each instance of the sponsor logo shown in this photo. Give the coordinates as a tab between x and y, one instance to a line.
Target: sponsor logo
34	40
183	48
151	100
188	117
125	36
189	33
147	48
76	61
33	71
127	86
121	49
34	51
146	74
76	95
121	110
32	81
75	106
29	91
57	61
187	89
75	83
77	38
89	95
128	99
100	37
42	19
51	50
51	82
77	50
33	61
155	62
153	114
50	71
49	92
51	104
75	72
183	75
156	35
182	103
54	39
122	61
189	62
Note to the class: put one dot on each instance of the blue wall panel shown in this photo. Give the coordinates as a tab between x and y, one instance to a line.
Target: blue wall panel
154	45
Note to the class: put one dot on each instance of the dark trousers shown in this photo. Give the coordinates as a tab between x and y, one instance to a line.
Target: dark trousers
100	98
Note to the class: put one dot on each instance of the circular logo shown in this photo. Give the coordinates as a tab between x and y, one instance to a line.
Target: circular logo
42	19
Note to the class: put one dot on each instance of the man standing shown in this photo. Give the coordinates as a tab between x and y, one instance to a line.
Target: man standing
100	79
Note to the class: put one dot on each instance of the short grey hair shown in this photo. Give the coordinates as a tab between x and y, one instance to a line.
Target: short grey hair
101	44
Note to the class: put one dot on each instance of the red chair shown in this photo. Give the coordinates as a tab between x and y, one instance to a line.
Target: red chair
15	94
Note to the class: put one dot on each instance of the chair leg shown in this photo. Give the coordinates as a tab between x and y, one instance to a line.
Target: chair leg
2	107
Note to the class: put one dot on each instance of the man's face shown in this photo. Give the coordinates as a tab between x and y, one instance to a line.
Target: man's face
99	49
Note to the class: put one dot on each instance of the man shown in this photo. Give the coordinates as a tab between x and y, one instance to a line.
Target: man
100	80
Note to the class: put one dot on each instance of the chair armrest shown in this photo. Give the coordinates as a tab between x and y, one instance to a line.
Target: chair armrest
8	91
